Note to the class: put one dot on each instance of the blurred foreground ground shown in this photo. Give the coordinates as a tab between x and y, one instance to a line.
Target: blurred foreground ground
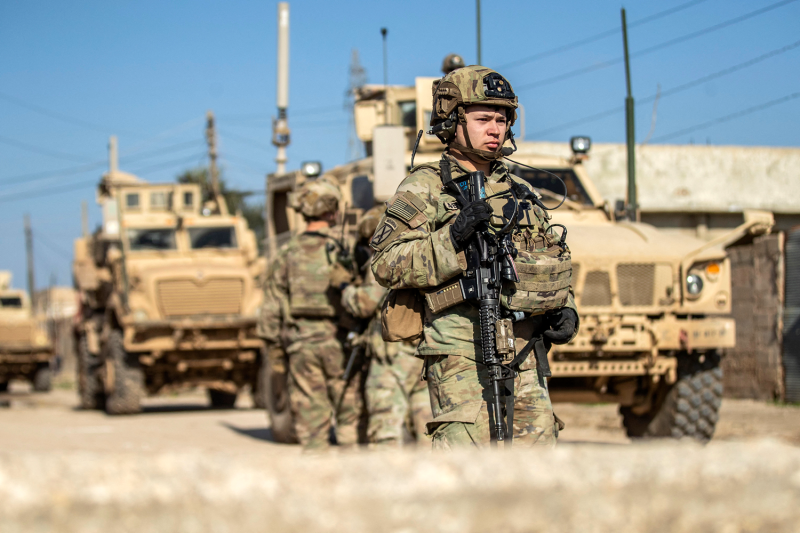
180	467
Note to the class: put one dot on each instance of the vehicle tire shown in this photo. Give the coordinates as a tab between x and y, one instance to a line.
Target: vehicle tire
43	379
276	394
3	386
90	385
258	390
221	399
128	390
688	408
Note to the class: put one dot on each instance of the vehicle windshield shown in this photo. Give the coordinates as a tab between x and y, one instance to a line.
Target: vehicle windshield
219	237
544	182
11	301
151	239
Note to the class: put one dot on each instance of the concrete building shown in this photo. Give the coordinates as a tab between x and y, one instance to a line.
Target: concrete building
704	190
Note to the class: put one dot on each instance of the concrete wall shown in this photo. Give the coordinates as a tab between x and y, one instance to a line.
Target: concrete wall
695	178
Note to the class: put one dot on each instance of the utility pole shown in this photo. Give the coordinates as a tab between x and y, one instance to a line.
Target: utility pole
358	77
84	218
630	131
478	20
29	250
384	31
113	158
213	170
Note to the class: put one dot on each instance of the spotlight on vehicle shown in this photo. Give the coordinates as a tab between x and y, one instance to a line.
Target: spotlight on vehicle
580	145
311	169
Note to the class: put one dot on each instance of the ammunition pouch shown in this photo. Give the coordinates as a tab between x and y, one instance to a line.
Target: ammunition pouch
544	281
401	315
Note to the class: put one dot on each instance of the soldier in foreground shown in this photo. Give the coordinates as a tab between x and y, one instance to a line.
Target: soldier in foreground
396	396
300	312
419	247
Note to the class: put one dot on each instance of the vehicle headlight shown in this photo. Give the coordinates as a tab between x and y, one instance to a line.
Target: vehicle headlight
694	284
140	315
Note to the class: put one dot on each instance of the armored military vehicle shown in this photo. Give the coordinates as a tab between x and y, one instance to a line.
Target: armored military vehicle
169	291
654	307
26	352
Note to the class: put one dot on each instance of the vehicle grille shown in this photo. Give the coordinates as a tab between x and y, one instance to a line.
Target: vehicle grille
11	333
188	298
636	282
596	289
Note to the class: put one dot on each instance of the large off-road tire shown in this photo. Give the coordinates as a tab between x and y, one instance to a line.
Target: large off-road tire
3	386
128	378
90	385
43	379
221	399
689	408
276	394
258	389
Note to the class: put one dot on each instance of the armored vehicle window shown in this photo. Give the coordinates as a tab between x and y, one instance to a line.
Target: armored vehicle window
362	193
188	200
543	180
408	113
132	200
159	201
224	237
151	239
11	301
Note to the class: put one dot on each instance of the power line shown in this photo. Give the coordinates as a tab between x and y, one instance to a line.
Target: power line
171	163
665	44
598	36
48	192
245	140
674	90
727	118
160	151
38	150
51	245
56	115
36	176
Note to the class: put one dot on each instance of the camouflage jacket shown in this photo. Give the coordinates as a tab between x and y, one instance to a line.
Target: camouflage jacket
419	253
365	302
299	303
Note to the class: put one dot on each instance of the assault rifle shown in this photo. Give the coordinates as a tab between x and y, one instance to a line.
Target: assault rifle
490	261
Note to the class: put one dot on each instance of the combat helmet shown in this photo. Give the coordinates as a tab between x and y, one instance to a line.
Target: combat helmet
316	198
369	222
464	87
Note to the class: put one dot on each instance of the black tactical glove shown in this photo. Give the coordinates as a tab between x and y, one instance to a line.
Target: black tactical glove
563	322
468	220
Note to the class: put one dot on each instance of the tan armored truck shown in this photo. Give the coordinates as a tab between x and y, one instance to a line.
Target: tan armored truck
169	290
654	307
26	352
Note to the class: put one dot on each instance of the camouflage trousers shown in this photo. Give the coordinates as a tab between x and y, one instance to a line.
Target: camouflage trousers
397	399
315	387
460	390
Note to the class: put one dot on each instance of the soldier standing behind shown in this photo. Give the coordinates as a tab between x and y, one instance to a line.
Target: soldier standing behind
396	396
419	245
300	312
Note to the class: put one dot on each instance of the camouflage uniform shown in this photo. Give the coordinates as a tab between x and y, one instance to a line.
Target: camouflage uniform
415	250
300	312
396	396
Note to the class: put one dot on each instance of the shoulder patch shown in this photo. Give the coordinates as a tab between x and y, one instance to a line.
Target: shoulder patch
383	232
405	206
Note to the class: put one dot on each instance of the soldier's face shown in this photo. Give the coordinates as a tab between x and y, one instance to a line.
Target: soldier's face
486	126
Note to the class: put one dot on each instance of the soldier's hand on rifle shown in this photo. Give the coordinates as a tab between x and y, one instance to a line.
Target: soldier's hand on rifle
467	221
562	322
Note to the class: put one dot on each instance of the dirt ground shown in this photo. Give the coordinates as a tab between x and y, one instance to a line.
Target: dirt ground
181	467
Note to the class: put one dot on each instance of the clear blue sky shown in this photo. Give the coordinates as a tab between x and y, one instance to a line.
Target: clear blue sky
148	70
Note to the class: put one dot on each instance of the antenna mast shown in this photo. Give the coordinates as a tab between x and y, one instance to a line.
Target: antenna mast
280	125
630	130
358	77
